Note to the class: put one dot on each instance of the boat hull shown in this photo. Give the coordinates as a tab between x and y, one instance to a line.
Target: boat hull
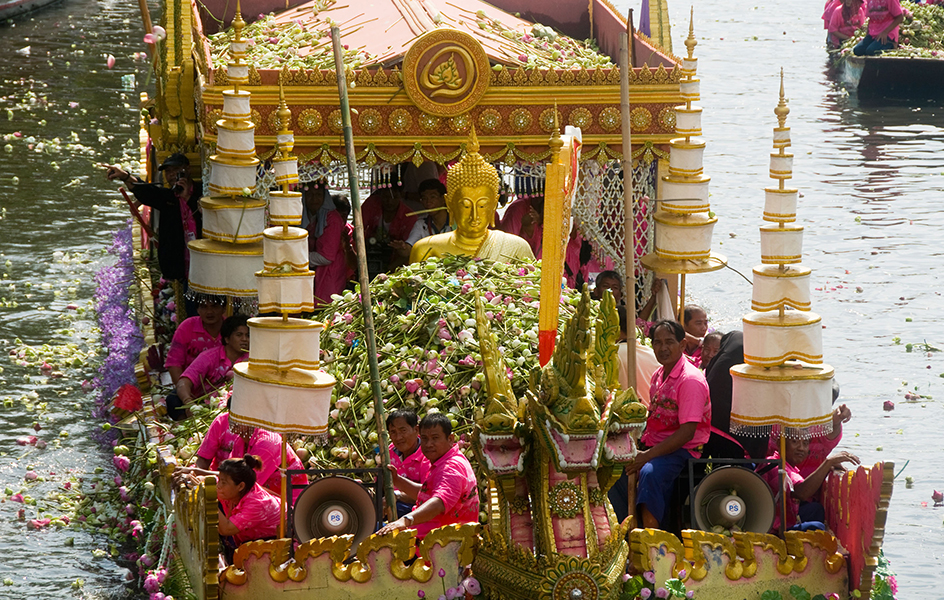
893	76
11	9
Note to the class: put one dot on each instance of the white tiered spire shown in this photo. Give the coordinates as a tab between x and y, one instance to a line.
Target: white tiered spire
784	382
281	388
225	260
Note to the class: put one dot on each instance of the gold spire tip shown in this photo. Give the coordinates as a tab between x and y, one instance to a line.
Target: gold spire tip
473	144
556	142
690	41
782	109
284	114
238	23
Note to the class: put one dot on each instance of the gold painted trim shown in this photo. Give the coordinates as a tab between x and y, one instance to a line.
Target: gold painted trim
276	234
297	267
793	371
668	220
790	319
299	428
283	307
214	247
226	203
780	218
291	364
771	271
774	190
656	263
781	420
228	237
298	274
773	361
685	172
701	180
778	229
785	302
686	209
291	378
204	289
279	323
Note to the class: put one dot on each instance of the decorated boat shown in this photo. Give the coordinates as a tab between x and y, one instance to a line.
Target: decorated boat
548	425
911	70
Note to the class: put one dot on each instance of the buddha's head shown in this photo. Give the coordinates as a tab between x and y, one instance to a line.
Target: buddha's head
472	192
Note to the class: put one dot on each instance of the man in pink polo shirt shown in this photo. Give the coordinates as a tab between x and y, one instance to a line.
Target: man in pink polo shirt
408	464
449	494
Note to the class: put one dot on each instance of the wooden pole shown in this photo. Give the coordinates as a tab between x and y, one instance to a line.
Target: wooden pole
145	16
629	243
681	302
283	513
363	278
783	478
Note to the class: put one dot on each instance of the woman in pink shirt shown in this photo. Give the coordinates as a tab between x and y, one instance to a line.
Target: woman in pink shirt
326	228
193	336
843	22
212	368
449	495
247	511
221	443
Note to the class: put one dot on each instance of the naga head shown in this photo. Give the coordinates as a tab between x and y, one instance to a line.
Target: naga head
565	413
499	436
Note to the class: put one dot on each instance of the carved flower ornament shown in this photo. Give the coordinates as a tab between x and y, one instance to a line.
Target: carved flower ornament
572	578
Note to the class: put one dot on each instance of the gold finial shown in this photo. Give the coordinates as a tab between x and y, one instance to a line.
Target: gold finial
284	114
238	23
556	142
690	41
472	147
782	109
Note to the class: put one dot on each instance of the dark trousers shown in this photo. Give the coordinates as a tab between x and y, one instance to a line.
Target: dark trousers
870	46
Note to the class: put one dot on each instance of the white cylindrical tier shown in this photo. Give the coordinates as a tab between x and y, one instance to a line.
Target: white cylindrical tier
796	396
285	208
680	237
290	249
237	73
688	121
286	171
770	340
781	245
686	158
776	286
230	177
781	166
685	195
239	47
689	90
236	105
285	344
286	292
292	401
240	143
224	269
689	65
285	140
781	137
233	220
780	206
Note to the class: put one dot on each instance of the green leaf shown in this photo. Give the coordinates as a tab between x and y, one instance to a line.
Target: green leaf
676	587
799	593
771	595
633	586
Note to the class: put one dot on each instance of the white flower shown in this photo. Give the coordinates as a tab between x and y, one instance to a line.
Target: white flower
465	335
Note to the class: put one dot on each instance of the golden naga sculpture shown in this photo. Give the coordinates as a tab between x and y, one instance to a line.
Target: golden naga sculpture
472	196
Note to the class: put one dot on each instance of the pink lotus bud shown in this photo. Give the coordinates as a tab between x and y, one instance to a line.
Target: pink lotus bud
110	61
937	496
888	405
31	476
159	32
149	38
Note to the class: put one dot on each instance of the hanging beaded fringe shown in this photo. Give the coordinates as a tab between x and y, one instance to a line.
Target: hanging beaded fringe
793	433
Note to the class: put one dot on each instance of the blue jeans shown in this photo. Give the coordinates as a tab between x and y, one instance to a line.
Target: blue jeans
656	479
869	46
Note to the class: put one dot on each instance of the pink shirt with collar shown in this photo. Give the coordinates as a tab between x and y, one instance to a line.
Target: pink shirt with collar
452	480
414	467
681	398
793	477
210	369
220	443
256	515
881	14
190	339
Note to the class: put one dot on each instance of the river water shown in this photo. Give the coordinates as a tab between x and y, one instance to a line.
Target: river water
870	177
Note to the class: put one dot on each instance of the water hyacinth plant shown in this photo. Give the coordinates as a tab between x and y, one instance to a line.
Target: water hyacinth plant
427	347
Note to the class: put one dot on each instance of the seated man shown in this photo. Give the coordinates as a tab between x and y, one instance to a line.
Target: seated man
820	446
407	462
433	197
609	280
709	348
678	424
449	494
386	220
803	514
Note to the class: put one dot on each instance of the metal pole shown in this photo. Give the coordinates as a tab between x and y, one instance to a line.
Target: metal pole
363	278
629	244
284	510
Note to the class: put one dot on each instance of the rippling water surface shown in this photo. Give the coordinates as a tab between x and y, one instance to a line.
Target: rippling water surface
871	178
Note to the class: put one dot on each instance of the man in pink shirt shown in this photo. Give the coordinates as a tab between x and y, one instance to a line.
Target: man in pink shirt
449	494
679	422
407	462
884	18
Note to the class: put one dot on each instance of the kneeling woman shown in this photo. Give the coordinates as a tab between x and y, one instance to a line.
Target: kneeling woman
247	510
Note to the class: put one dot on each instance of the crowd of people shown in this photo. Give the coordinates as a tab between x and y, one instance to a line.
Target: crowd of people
842	18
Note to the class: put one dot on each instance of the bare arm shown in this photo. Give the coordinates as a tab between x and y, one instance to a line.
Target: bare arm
184	389
430	509
175	373
883	37
807	488
409	487
841	415
682	436
226	526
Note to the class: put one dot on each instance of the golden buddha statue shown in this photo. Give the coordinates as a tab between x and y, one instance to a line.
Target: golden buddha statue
472	188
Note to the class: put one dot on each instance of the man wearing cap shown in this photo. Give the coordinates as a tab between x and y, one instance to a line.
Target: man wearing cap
177	212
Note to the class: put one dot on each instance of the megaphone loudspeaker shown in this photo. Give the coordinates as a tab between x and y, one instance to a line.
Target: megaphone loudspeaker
335	506
733	497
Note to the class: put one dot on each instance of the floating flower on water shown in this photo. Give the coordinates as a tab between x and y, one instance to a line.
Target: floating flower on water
110	61
937	496
38	523
888	405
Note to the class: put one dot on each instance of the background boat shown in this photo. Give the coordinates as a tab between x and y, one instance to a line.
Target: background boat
11	9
